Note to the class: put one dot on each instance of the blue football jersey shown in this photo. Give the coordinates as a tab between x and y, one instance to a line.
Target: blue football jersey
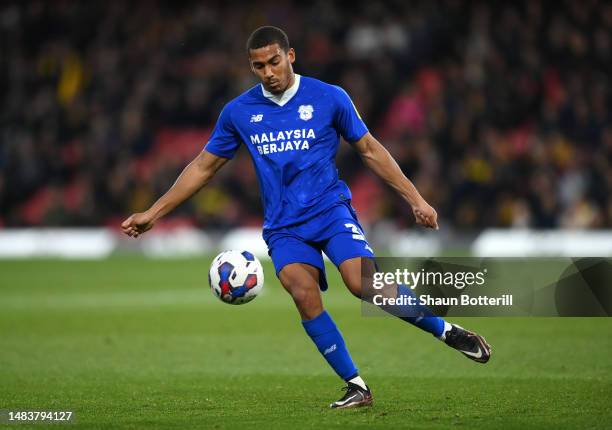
293	146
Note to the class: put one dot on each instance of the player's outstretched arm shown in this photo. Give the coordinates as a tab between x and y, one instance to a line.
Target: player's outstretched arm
378	159
197	174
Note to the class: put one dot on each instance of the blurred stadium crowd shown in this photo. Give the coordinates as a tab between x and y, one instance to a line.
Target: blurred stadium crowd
500	113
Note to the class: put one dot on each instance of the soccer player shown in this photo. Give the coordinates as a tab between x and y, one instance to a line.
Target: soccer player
291	126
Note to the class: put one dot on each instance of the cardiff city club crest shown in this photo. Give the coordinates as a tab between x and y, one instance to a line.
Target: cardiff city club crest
305	112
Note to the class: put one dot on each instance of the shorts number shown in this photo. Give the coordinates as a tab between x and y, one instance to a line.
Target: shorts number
357	235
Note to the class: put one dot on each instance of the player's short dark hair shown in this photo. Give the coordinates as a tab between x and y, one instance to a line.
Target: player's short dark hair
268	35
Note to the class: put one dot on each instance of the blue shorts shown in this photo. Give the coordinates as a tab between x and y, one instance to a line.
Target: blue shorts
336	232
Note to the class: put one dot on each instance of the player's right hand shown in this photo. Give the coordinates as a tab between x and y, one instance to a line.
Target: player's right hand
137	224
425	215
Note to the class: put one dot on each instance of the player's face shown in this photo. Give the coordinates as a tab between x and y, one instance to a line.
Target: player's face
273	67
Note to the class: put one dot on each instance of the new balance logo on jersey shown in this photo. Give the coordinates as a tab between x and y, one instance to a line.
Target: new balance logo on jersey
305	112
256	118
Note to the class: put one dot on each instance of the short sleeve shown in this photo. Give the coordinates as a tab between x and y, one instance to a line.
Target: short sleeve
347	119
224	140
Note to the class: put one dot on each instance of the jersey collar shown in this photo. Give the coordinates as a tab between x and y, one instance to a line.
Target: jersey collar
283	98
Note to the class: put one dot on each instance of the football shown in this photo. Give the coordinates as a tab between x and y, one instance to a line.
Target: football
236	277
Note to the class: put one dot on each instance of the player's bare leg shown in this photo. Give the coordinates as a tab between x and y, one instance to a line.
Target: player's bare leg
470	344
302	282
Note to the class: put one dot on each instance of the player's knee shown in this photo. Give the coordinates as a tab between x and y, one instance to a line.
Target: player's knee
301	290
306	298
354	274
354	285
302	293
352	280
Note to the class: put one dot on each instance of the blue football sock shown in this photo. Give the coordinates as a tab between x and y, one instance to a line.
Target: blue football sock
324	333
418	315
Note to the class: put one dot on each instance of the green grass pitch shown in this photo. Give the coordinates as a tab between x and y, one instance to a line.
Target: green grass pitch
137	343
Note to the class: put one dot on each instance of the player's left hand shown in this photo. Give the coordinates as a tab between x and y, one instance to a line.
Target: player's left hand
425	215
